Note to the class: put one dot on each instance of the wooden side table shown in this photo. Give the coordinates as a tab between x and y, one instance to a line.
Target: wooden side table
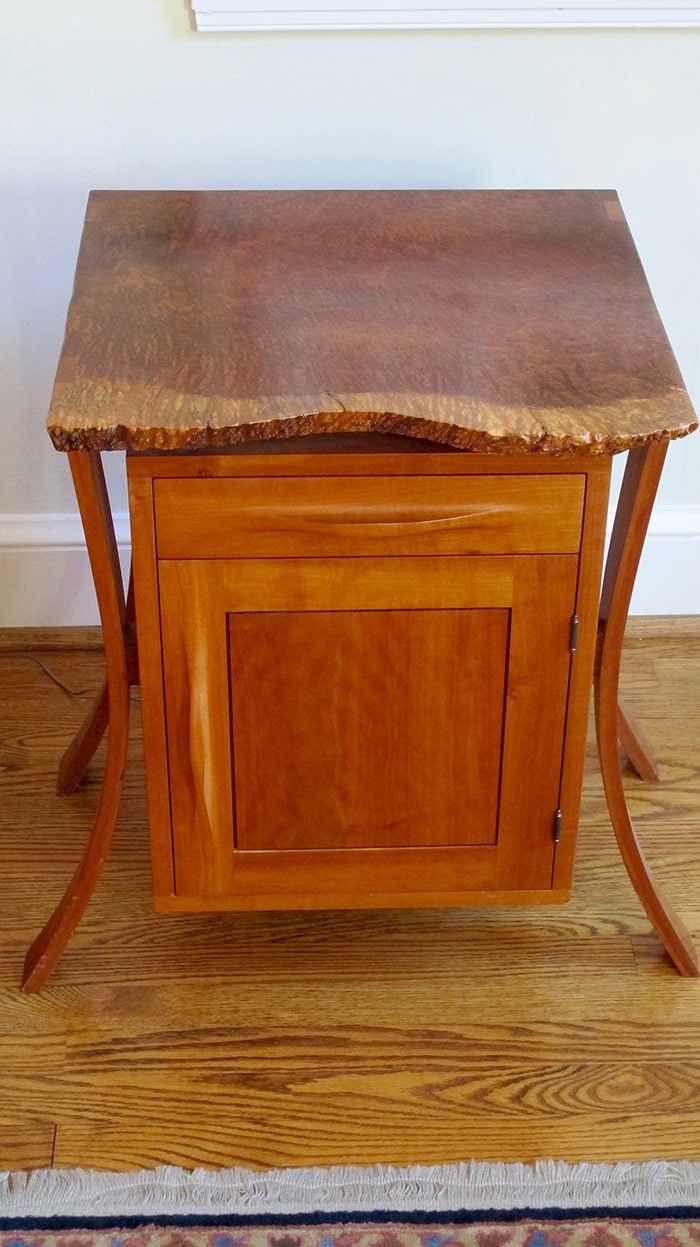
369	438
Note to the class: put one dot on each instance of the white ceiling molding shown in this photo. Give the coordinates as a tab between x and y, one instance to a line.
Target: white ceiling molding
239	15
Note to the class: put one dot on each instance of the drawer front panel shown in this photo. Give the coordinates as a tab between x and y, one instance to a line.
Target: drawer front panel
282	518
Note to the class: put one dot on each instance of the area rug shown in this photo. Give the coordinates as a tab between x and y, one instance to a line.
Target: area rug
548	1204
583	1232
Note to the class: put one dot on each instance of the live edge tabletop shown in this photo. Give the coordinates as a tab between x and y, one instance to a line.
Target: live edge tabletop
365	659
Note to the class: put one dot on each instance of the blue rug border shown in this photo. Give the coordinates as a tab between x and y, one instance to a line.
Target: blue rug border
458	1216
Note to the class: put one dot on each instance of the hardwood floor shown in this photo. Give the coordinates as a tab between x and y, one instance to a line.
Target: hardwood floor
321	1038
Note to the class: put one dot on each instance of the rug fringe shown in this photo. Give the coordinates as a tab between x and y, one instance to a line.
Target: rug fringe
472	1186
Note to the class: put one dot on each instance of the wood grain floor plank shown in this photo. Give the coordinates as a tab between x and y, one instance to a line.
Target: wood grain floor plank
401	1140
358	1127
221	947
260	1053
174	1006
274	1000
311	1106
26	1144
318	1038
30	1064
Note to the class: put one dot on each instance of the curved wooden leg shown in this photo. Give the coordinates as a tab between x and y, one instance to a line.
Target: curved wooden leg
93	502
74	762
634	509
636	746
76	759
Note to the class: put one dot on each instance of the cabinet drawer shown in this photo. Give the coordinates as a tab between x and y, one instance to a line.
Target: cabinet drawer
286	518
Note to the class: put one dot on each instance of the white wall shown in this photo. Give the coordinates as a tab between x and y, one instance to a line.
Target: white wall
123	93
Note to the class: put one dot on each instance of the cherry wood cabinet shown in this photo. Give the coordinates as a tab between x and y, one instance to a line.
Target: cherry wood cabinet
370	437
362	689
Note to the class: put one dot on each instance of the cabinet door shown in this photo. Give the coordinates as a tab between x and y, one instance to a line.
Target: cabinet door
366	728
345	730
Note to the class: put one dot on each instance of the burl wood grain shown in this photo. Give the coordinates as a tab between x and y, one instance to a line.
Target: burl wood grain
499	321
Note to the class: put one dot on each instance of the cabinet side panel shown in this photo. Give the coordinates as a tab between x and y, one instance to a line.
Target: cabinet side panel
577	721
145	572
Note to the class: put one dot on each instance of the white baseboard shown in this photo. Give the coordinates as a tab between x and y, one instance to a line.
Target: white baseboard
45	579
45	576
668	580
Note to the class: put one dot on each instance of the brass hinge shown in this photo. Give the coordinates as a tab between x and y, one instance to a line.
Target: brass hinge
573	634
557	826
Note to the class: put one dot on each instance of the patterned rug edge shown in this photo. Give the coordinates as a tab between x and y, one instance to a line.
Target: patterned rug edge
168	1191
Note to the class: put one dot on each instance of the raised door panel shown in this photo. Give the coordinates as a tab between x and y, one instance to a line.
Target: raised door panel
367	729
514	613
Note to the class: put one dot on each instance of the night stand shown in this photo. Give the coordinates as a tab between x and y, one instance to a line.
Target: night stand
370	437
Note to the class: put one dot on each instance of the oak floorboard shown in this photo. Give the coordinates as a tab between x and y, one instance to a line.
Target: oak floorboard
28	1063
26	1145
341	1037
330	1139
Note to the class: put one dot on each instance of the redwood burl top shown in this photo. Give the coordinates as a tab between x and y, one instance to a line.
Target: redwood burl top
495	321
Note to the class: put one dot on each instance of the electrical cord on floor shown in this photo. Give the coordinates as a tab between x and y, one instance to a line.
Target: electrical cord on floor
72	692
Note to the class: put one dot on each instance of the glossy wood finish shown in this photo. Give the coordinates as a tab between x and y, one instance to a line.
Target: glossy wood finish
587	602
331	515
501	321
394	1036
93	502
385	727
213	319
202	791
199	664
637	495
